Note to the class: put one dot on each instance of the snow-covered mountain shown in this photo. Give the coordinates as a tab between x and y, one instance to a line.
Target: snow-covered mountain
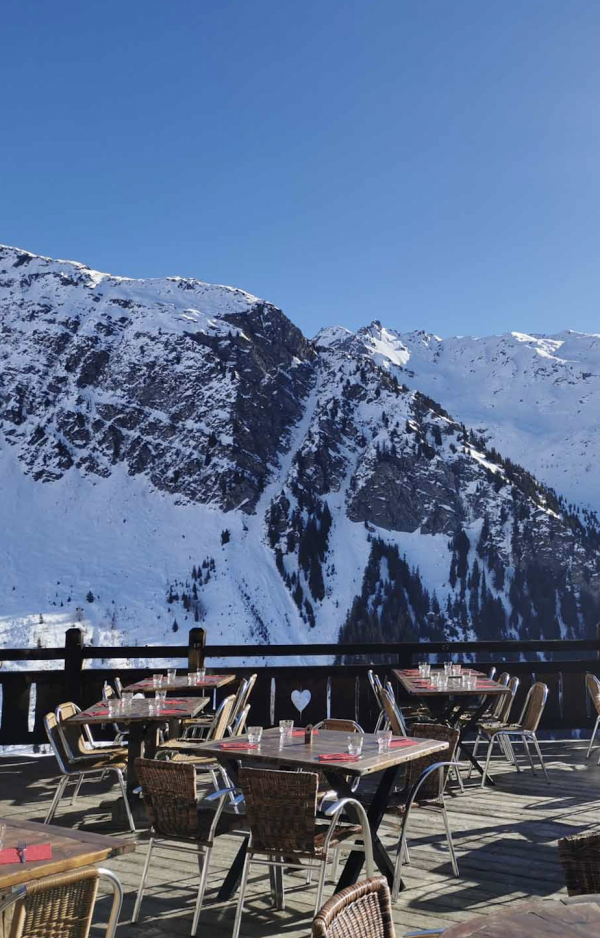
174	452
534	398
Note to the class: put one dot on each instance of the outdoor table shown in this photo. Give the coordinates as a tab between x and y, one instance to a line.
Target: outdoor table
180	683
552	918
297	754
441	700
142	726
71	850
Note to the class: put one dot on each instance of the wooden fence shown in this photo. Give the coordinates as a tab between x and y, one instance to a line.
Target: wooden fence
338	689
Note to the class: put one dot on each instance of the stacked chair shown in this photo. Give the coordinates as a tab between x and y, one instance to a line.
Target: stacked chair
78	761
498	718
524	730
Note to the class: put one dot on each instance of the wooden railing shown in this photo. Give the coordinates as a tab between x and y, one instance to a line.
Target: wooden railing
337	689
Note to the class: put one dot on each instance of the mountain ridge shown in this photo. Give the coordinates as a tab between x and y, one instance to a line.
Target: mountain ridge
180	452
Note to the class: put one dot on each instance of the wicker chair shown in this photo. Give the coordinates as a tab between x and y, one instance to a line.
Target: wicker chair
523	731
340	726
360	911
580	859
425	782
179	821
80	767
593	686
61	906
497	719
281	810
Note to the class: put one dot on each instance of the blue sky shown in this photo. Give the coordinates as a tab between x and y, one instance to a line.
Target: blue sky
429	163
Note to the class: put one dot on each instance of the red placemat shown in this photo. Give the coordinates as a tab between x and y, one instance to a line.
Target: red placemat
337	757
32	852
402	743
300	732
234	745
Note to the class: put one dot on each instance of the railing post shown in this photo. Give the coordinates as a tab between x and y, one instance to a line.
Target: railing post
73	665
196	646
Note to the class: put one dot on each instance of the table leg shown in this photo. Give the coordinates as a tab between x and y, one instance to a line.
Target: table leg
375	814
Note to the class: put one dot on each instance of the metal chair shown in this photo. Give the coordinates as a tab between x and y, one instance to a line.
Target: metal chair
497	719
281	810
377	688
523	731
424	787
185	749
593	687
79	768
178	820
394	716
61	906
579	855
360	911
120	732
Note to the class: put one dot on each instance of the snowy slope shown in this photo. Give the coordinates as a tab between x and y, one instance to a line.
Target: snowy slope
175	452
535	398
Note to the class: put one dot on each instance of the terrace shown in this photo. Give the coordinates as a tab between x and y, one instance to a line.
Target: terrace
505	836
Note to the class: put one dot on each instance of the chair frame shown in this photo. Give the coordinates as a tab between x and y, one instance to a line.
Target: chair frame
499	715
75	771
402	850
20	894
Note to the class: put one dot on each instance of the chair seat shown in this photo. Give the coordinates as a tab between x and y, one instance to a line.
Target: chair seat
341	833
199	761
116	760
488	729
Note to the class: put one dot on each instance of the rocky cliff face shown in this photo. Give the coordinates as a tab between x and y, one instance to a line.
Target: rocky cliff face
275	488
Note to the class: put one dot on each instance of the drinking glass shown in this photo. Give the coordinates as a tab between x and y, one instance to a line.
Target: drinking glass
286	728
160	696
191	677
127	699
157	680
2	835
426	669
153	706
113	706
384	738
355	744
447	666
200	675
254	734
435	678
171	674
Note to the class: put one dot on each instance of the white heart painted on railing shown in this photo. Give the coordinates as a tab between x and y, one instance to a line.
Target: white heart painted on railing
301	699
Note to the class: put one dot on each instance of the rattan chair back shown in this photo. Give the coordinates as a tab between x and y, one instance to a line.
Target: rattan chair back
360	911
280	808
593	686
342	726
169	790
580	859
222	719
56	743
239	726
57	906
72	734
392	712
505	702
431	787
533	707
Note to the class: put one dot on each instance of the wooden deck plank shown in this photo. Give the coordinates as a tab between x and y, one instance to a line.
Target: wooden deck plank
505	840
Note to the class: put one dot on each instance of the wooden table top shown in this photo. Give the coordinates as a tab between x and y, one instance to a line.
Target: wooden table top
297	754
175	709
71	849
181	683
552	918
416	686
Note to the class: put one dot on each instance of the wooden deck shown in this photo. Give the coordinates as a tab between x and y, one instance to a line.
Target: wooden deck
505	840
